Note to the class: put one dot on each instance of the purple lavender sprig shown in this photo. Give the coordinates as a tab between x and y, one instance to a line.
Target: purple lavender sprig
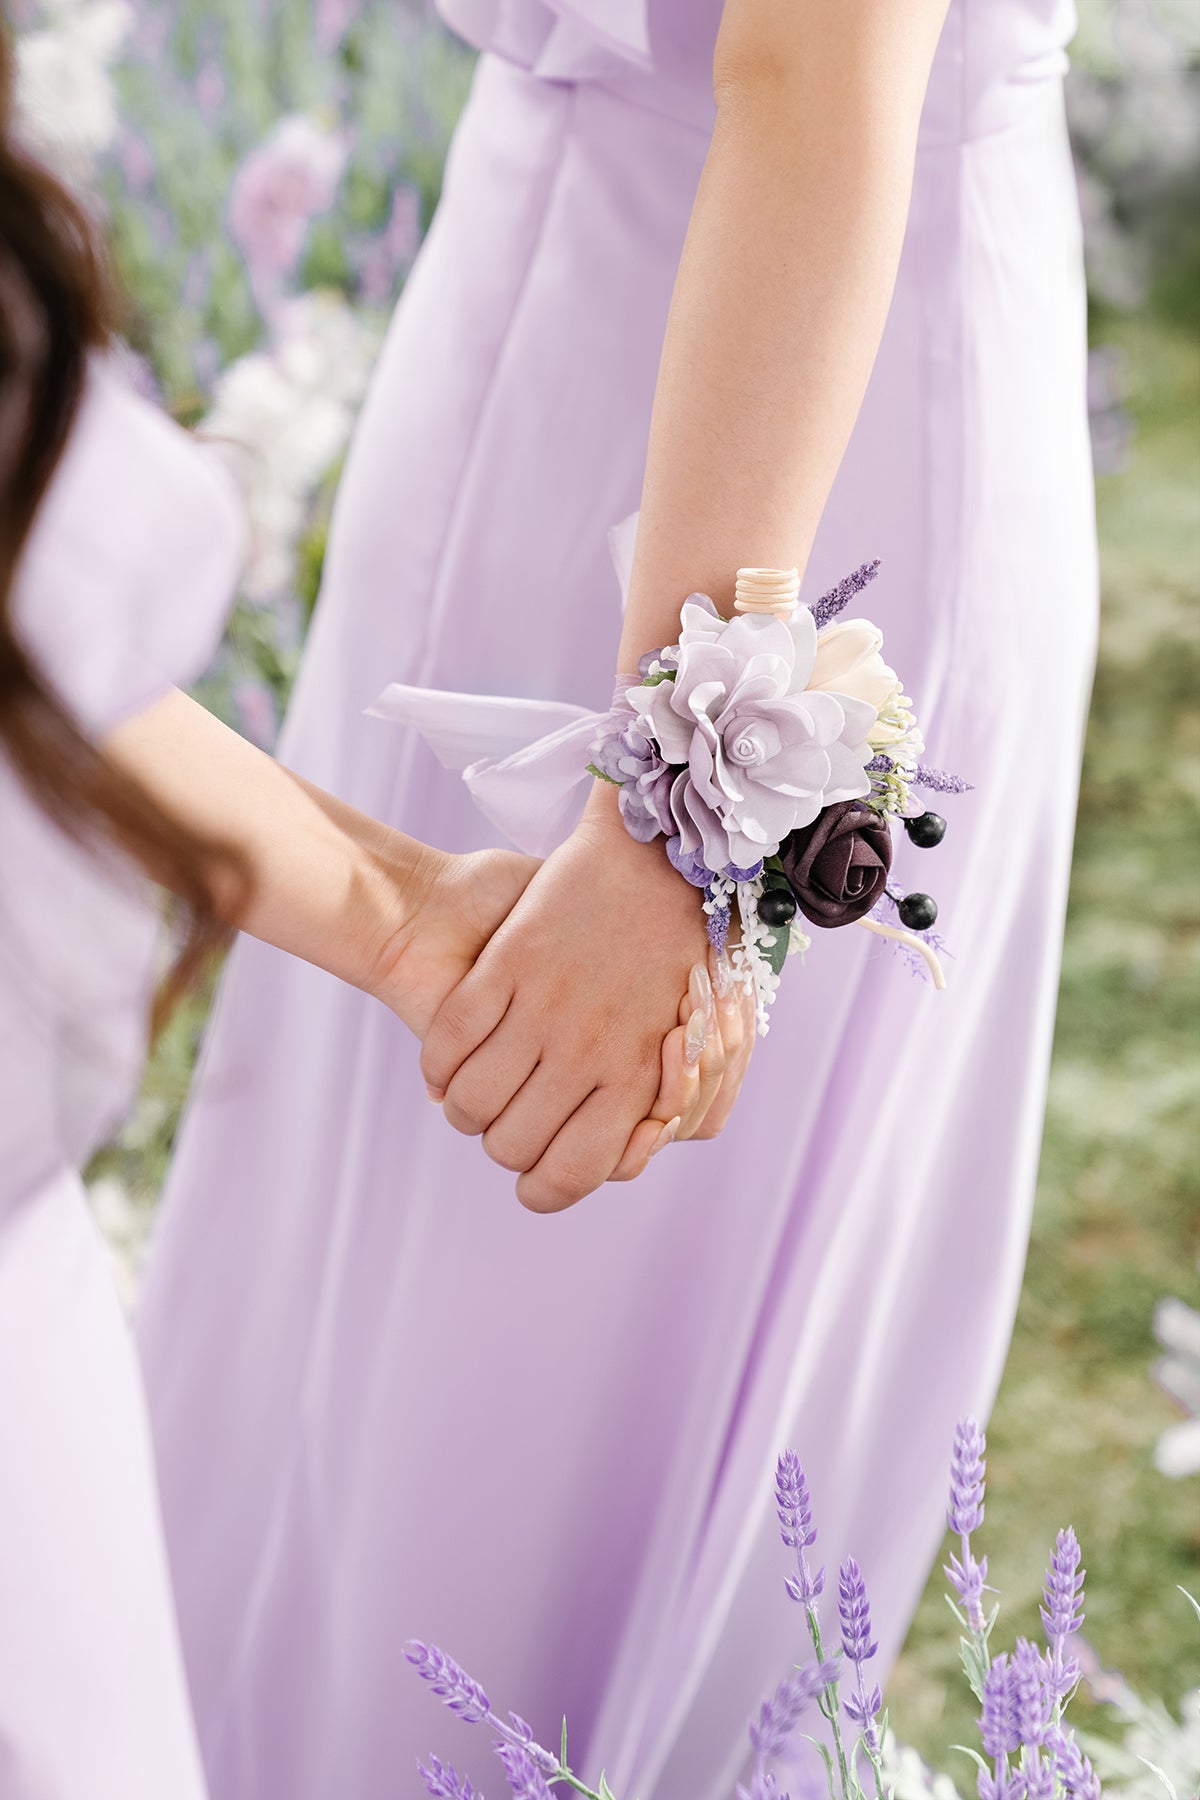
1031	1694
442	1781
997	1722
717	920
525	1779
830	605
1075	1772
855	1613
967	1576
796	1527
525	1761
799	1534
1062	1613
774	1729
938	781
862	1707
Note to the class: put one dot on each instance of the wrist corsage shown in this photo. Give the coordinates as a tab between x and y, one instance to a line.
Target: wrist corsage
770	752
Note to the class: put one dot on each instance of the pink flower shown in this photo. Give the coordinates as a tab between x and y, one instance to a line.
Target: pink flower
291	176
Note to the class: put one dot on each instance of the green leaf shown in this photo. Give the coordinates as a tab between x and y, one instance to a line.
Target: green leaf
974	1755
1161	1773
1192	1601
974	1666
601	776
606	1792
663	675
959	1615
776	948
826	1759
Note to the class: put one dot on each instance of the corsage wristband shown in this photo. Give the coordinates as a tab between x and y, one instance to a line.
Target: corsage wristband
771	751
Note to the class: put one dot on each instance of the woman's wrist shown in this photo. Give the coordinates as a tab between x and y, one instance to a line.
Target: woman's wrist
393	884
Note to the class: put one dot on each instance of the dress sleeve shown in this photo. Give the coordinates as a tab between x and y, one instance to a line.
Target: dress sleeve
126	581
559	39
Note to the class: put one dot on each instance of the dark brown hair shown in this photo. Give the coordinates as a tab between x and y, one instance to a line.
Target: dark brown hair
56	307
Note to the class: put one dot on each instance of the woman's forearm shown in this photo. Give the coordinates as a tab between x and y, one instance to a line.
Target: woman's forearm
782	292
321	880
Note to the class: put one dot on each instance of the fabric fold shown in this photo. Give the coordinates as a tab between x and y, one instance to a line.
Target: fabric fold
530	778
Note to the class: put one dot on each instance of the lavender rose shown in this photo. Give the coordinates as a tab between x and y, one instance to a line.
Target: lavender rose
624	751
760	752
837	867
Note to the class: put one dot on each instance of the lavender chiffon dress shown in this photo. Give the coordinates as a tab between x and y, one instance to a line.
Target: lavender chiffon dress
388	1402
122	591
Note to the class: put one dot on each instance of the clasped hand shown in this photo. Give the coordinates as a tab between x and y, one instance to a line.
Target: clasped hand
573	1014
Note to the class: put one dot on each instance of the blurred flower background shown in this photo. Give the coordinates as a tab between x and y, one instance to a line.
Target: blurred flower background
266	169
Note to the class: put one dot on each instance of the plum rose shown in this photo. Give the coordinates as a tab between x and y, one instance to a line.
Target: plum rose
837	867
761	752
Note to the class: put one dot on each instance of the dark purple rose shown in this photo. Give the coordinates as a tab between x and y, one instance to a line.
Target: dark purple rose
838	866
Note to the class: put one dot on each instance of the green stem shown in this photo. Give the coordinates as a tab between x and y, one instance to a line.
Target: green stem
833	1693
566	1775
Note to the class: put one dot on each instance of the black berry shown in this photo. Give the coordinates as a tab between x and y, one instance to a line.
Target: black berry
777	906
926	830
918	912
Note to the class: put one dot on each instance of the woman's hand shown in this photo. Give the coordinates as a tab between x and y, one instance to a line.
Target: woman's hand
466	898
701	1074
551	1047
449	908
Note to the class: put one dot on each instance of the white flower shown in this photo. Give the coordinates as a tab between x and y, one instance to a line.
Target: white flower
286	413
849	661
66	111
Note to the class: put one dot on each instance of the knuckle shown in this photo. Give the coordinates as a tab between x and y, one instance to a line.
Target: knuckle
505	1149
552	1191
467	1108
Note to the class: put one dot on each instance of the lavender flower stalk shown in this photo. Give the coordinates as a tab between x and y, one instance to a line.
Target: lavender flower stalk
525	1779
862	1707
938	781
796	1527
830	605
774	1729
1075	1772
1062	1613
444	1783
798	1533
529	1766
965	1515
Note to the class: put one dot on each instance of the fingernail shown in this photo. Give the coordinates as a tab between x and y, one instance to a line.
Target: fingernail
437	1095
723	976
695	1038
700	989
666	1134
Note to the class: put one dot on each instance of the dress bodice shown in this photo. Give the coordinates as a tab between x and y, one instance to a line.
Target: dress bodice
659	52
122	591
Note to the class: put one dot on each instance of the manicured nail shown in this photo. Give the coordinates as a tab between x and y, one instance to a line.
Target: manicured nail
700	990
723	978
666	1134
695	1038
437	1095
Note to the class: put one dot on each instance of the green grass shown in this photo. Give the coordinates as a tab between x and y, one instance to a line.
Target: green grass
1072	1435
